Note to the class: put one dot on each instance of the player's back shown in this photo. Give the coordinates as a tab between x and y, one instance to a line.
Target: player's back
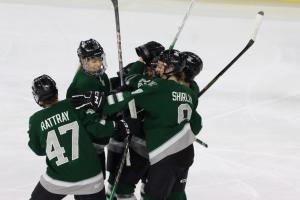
58	132
168	107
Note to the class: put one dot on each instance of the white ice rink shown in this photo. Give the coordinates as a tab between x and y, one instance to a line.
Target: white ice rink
251	116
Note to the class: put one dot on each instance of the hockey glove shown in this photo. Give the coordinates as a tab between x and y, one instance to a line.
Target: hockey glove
90	100
149	51
126	128
125	70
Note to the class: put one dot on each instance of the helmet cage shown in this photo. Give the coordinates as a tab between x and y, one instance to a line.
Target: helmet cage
101	70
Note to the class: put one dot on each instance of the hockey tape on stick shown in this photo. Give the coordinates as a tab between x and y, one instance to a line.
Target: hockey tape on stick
258	21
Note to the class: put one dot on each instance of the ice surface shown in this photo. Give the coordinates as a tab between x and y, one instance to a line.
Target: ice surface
251	116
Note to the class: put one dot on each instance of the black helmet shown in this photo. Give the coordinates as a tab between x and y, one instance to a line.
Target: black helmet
149	51
193	64
89	48
43	88
172	58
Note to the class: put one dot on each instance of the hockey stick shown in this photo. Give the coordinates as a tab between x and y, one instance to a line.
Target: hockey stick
118	31
131	104
124	155
259	18
182	24
187	14
174	42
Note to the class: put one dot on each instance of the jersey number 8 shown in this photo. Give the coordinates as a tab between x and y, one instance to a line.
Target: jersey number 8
184	112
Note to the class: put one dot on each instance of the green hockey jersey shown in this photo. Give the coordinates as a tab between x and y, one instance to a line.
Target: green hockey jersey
136	76
194	86
171	120
83	82
133	70
65	136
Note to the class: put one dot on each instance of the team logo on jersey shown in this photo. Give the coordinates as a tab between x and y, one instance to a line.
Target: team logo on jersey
89	111
143	82
152	83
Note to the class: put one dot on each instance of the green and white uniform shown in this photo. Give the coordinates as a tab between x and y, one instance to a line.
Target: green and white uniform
194	86
65	136
133	173
83	82
135	79
136	76
134	170
171	120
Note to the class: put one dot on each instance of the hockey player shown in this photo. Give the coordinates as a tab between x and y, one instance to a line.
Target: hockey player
91	76
169	142
170	124
137	74
193	66
91	73
64	135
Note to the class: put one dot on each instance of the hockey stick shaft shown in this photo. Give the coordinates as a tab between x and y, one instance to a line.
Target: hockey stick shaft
250	43
118	31
259	18
131	104
124	155
182	24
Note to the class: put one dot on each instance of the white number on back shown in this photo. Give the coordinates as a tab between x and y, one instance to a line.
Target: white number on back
55	150
184	112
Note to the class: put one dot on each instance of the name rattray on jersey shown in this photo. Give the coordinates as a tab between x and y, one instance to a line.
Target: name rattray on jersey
65	136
